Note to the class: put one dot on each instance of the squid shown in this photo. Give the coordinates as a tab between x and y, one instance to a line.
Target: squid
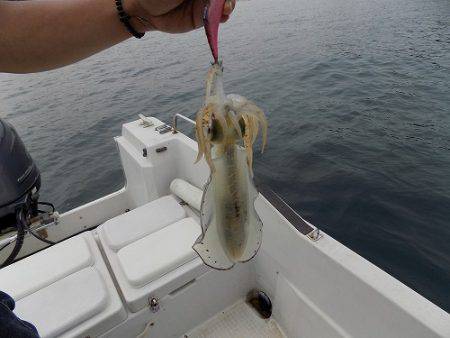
227	126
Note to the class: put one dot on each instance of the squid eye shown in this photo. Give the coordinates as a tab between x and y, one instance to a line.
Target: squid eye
215	131
242	125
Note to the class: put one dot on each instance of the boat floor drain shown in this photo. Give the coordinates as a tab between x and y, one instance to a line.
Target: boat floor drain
260	302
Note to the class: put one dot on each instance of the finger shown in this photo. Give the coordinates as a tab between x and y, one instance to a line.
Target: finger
163	7
186	17
229	7
191	10
198	8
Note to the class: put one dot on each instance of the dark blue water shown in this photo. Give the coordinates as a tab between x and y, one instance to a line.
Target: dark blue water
358	100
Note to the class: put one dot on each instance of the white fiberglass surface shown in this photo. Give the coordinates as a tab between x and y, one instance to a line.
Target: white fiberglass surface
239	320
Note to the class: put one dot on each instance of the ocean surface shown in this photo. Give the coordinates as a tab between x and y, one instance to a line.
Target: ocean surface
357	94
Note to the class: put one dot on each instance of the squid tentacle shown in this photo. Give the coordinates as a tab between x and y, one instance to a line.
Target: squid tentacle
252	109
248	142
199	133
208	157
226	113
246	107
235	123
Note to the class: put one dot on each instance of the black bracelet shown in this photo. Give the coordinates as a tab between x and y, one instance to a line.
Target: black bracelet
124	18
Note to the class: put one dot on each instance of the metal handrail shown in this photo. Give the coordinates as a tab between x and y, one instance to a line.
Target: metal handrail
175	121
35	228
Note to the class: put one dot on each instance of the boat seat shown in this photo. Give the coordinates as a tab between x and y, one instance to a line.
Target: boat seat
65	290
158	262
129	227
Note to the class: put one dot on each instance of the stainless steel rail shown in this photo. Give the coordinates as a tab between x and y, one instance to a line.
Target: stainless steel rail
37	226
175	121
290	214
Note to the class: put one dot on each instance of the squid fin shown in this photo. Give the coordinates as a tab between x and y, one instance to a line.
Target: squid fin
208	245
255	225
210	250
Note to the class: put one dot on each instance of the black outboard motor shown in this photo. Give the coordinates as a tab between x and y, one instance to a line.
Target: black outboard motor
20	179
20	182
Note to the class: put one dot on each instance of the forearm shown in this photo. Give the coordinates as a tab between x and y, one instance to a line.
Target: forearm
40	35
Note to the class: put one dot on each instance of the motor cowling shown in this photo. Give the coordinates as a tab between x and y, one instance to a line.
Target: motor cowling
20	179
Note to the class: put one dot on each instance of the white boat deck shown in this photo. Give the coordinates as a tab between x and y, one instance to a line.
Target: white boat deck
239	320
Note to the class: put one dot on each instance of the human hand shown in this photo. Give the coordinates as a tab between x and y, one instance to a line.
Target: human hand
171	16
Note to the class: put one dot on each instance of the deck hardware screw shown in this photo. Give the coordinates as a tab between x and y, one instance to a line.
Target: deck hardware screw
164	128
154	304
315	235
161	149
144	152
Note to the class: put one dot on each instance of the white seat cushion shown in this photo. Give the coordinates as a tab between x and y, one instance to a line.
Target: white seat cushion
159	253
127	228
68	301
39	270
65	290
150	251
